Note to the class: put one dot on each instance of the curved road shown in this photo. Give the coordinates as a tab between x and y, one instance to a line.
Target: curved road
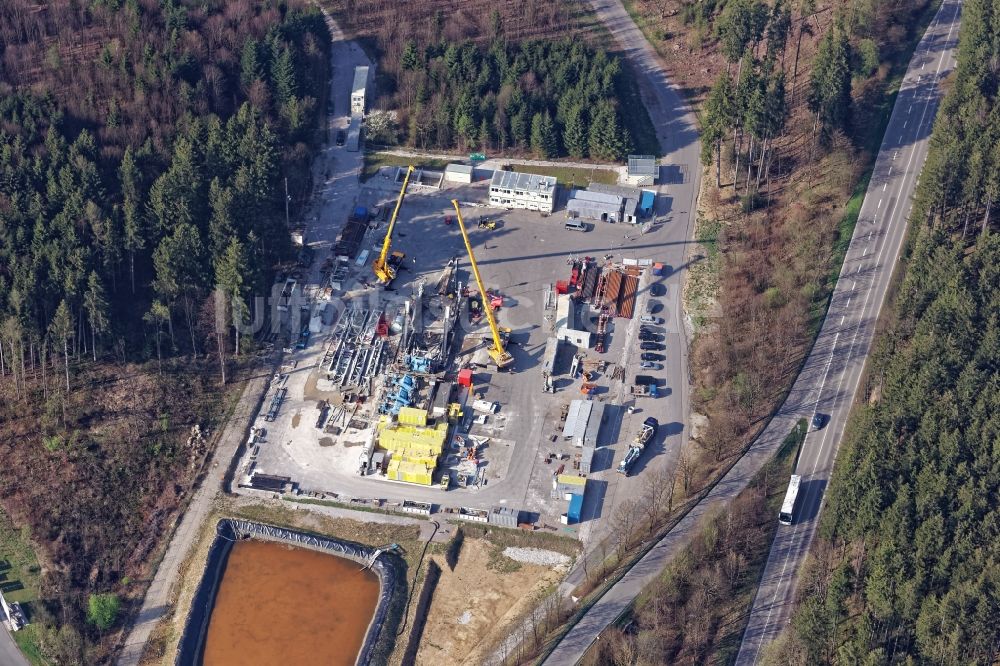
830	374
846	337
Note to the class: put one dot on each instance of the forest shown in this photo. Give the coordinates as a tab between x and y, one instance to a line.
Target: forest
907	569
143	150
495	87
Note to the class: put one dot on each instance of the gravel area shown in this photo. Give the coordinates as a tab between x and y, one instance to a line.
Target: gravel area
545	558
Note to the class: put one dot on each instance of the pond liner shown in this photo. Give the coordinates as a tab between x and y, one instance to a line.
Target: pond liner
388	567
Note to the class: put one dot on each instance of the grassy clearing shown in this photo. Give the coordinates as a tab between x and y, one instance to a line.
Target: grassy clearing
702	285
20	577
352	507
504	537
376	160
570	176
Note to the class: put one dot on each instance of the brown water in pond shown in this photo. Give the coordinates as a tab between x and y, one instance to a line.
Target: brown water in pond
279	604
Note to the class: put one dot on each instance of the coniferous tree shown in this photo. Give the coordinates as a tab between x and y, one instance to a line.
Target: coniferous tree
95	303
830	84
544	142
575	132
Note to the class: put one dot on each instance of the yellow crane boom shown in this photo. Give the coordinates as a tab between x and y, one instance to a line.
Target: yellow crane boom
498	353
383	266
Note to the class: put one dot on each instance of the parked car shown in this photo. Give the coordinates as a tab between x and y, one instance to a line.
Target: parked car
650	319
341	137
650	337
652	306
651	357
657	289
651	366
651	346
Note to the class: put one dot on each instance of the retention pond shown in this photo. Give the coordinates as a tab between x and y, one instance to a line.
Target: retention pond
283	604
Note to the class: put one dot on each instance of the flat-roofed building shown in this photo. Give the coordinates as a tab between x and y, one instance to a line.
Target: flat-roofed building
642	170
598	206
528	191
458	173
629	195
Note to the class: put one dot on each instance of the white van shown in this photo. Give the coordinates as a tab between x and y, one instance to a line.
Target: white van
575	225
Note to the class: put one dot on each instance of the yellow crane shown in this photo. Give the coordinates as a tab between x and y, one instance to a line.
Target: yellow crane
497	352
386	264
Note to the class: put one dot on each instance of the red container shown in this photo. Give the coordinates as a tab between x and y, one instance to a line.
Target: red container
465	378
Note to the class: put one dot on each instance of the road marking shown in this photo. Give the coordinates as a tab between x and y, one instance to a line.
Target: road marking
890	171
788	554
842	317
879	206
905	123
894	155
883	186
909	110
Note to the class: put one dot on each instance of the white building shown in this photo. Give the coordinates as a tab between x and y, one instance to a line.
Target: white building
566	324
458	173
642	170
359	92
510	189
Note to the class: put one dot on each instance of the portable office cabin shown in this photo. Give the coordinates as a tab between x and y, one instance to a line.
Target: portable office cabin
587	459
458	173
577	419
503	516
529	191
593	430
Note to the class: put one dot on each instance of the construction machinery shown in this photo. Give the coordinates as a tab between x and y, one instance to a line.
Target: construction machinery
487	223
498	352
386	265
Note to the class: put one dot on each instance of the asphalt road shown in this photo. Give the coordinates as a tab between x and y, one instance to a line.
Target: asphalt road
10	655
679	181
830	374
837	362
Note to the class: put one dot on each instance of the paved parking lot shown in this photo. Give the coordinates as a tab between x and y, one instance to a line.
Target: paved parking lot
524	254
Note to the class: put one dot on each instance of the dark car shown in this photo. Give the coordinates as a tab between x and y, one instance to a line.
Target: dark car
651	346
648	356
657	289
652	423
818	421
650	337
341	137
652	307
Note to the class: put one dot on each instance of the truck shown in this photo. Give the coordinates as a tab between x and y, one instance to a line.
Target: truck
644	390
638	445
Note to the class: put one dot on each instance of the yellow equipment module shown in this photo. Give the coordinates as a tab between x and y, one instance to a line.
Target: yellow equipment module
497	352
386	265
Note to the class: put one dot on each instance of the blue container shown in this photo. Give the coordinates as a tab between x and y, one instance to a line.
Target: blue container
575	509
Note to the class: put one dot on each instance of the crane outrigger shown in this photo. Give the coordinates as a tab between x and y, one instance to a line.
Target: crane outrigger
497	352
386	264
